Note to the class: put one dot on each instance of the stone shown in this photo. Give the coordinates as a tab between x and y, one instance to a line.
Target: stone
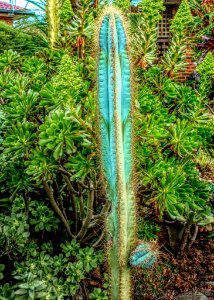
191	296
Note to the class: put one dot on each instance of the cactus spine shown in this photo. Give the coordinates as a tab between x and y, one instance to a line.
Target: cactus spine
114	84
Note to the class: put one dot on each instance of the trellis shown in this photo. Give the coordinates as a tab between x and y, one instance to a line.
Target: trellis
164	25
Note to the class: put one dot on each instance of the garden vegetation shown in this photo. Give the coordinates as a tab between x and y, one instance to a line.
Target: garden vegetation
54	200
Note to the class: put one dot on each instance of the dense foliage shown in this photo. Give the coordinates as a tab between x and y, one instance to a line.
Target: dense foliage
174	130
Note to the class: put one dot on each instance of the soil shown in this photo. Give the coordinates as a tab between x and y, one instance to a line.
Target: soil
172	276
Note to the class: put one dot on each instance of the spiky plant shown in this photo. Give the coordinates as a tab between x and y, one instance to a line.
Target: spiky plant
115	109
183	19
145	34
174	59
144	42
53	16
66	12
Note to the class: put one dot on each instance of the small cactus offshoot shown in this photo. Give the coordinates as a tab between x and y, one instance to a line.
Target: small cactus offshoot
144	256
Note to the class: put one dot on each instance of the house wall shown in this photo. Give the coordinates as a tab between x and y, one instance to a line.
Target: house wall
6	19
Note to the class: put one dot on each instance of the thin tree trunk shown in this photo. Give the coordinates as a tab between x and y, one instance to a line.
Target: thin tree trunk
74	205
185	238
193	238
89	214
56	207
74	4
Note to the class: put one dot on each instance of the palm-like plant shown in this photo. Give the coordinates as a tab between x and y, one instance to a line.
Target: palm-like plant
174	59
9	60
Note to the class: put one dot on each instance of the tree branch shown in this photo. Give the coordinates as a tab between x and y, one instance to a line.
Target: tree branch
89	214
82	211
74	205
193	238
56	207
74	4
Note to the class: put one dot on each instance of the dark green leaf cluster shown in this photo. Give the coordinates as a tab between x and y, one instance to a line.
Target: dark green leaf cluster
183	19
40	274
206	72
14	39
48	172
173	128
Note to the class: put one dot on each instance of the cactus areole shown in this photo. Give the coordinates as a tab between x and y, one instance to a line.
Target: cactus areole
114	102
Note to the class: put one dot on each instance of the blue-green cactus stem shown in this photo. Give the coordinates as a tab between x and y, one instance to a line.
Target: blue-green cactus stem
143	256
114	83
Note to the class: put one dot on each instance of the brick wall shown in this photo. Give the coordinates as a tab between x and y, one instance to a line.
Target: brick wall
190	67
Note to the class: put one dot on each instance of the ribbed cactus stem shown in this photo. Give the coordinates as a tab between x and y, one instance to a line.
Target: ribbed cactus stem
53	15
114	82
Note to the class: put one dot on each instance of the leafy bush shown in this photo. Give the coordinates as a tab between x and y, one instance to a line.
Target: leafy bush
183	18
15	39
48	270
206	71
52	205
170	132
48	170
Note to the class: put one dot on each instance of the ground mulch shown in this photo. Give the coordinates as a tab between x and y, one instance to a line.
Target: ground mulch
172	275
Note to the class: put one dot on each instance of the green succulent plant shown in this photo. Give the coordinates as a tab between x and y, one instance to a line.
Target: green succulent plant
2	267
182	139
23	106
14	233
42	217
19	139
70	248
98	294
90	258
39	166
59	135
49	269
9	60
5	291
30	289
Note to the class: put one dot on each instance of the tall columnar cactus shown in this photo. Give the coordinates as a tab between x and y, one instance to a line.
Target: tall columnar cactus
53	16
114	83
115	109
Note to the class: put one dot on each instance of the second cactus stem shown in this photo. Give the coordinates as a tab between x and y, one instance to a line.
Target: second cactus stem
114	101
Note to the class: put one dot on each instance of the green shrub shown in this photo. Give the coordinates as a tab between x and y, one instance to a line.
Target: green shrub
183	19
15	39
206	71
